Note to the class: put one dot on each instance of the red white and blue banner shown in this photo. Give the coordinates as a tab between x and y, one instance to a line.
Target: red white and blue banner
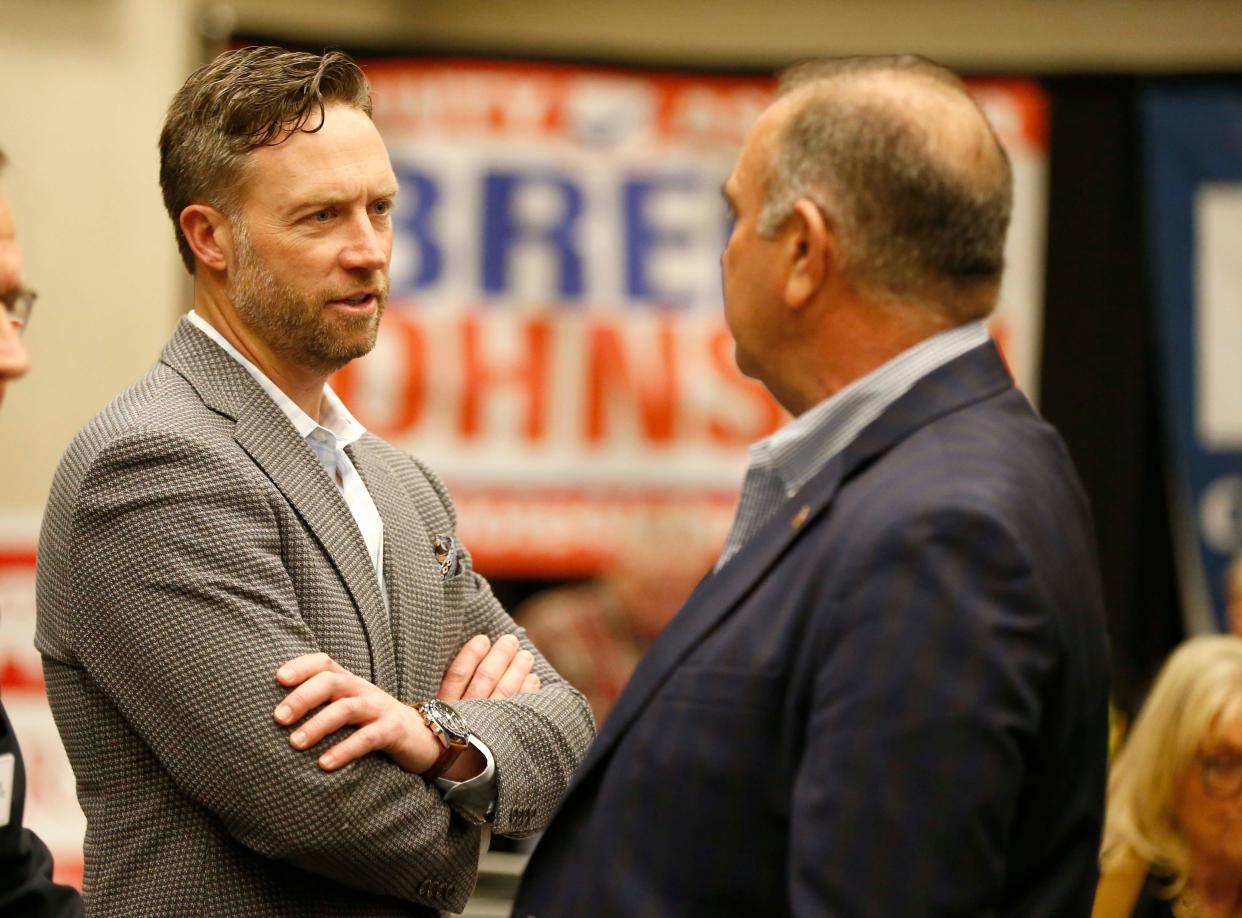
1193	140
554	345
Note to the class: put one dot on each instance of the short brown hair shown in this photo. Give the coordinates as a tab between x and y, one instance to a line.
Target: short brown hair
242	100
914	223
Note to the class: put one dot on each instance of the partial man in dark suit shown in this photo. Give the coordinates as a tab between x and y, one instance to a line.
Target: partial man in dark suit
890	697
224	542
26	886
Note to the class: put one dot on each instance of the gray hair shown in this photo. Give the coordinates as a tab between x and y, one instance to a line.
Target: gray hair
242	100
912	223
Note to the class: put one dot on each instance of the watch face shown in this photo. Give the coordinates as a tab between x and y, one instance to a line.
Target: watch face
448	720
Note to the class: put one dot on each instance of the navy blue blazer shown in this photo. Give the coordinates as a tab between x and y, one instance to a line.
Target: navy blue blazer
891	702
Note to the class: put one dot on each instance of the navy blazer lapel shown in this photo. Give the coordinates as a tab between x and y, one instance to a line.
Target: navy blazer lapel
977	374
264	432
711	602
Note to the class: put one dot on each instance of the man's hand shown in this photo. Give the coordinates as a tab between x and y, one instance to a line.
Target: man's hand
480	670
384	723
486	670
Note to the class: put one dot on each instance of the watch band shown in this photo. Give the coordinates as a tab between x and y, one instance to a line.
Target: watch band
452	744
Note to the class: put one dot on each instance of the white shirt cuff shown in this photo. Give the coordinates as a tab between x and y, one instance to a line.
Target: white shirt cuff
474	798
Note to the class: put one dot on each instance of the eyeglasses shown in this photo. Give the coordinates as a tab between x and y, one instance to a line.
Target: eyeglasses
1222	775
19	304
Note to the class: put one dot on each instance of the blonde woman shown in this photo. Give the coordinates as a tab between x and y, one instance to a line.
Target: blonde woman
1173	833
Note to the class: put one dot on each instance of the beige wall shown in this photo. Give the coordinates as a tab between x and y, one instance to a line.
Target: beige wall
84	83
975	34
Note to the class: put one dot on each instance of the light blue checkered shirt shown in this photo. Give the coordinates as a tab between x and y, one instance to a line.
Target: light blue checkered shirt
327	440
788	459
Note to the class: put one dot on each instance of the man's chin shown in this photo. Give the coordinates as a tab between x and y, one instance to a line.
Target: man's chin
334	353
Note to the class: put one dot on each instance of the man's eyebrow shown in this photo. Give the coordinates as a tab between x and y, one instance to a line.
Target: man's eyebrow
316	202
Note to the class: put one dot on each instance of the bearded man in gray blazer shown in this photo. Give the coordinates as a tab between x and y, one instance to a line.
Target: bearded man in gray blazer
226	550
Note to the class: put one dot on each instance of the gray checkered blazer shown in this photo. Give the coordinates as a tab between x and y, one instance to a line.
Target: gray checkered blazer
192	544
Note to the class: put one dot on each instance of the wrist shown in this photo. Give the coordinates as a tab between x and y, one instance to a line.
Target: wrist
448	735
468	765
424	747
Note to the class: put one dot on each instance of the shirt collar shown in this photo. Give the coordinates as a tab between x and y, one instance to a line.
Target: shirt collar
798	450
334	416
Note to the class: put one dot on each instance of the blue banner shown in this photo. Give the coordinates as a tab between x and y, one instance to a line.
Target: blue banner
1193	146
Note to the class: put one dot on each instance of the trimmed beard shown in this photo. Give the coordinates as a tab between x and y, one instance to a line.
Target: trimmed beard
293	326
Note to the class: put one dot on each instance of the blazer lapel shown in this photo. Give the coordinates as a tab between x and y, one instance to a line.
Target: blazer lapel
978	374
264	432
711	602
420	618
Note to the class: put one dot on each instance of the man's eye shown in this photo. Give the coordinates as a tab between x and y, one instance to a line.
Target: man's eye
322	216
382	208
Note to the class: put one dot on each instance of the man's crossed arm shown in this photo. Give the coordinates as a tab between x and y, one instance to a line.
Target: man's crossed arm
481	670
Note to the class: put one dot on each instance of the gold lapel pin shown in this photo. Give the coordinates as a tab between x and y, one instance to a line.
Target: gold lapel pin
800	517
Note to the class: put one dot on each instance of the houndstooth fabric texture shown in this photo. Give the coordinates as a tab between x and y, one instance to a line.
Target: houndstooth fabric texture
191	545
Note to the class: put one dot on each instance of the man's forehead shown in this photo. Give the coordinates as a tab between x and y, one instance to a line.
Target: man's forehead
346	152
758	147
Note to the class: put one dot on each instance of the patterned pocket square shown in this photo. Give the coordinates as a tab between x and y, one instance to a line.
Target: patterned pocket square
448	555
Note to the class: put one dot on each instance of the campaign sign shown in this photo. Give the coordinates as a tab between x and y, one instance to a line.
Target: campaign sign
554	345
1193	139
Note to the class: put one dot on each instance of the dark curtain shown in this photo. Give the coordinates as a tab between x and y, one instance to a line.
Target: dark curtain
1100	383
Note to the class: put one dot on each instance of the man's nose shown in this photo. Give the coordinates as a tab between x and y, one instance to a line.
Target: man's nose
13	359
367	248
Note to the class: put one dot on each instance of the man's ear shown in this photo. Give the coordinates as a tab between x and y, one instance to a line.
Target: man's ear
209	234
812	247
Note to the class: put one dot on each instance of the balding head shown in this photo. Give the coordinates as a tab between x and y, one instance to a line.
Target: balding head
907	171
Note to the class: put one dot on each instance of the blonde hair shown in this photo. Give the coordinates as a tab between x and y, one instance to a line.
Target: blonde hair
1199	686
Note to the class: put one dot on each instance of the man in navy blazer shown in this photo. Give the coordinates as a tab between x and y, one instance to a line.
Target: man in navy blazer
889	698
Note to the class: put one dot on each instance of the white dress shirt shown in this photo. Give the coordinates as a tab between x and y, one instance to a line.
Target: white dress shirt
327	439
